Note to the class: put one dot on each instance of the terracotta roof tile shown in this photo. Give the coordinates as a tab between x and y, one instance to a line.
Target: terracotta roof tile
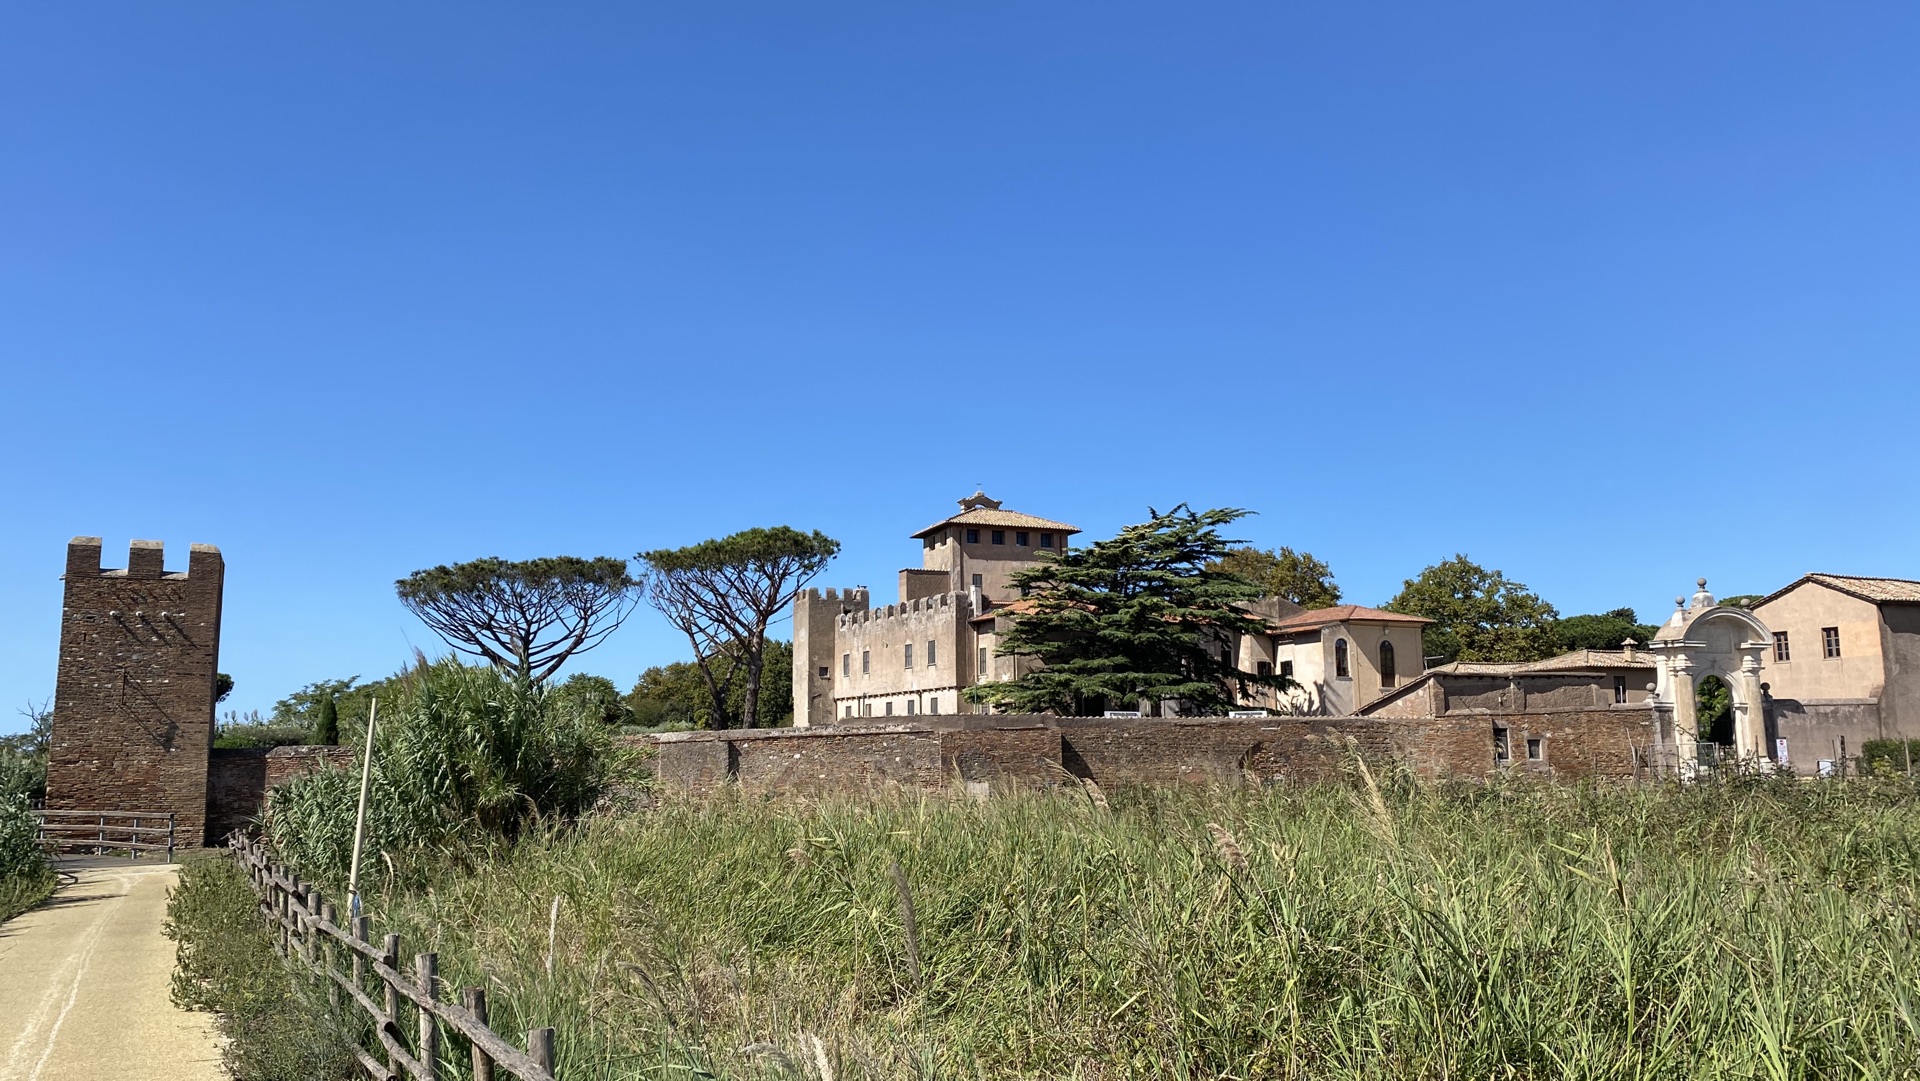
1877	590
1342	613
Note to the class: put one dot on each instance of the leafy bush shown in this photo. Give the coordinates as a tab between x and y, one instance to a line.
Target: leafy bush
274	1023
25	876
463	755
1889	755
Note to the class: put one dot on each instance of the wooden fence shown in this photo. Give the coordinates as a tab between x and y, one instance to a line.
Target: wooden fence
306	932
103	831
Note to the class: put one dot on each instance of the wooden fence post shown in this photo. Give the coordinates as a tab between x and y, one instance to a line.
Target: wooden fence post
540	1047
326	948
390	957
475	1000
310	923
427	971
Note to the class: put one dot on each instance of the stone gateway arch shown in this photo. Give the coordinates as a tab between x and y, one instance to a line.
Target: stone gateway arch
1704	638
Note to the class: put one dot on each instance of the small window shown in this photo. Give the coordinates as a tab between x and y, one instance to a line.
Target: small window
846	664
1286	669
1782	650
866	709
929	654
1020	539
909	707
999	536
1263	668
909	653
1533	750
1830	637
1340	669
983	662
1386	664
1502	746
824	670
866	661
973	536
889	709
1620	690
978	582
847	712
933	706
1046	540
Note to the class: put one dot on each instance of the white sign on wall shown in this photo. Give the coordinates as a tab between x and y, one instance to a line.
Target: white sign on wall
1780	751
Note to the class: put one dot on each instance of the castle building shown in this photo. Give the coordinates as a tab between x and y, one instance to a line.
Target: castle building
854	661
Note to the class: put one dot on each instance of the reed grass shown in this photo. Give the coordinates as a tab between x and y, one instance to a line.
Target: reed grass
1383	929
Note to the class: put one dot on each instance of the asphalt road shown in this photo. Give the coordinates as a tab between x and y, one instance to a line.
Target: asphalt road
83	985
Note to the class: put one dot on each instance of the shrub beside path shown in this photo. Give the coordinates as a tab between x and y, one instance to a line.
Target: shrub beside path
84	984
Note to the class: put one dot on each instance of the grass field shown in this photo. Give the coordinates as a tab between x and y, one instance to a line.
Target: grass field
1766	930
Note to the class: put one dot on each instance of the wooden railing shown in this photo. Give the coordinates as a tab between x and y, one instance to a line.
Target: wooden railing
306	933
103	831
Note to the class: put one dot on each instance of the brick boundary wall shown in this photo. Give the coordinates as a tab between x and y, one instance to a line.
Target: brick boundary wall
239	779
1024	751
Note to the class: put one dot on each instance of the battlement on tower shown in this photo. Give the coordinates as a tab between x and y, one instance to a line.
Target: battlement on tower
919	606
146	559
856	595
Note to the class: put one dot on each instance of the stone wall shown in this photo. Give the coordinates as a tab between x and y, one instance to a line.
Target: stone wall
1024	751
238	780
133	700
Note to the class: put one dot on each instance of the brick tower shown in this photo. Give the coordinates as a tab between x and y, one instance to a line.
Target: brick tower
133	705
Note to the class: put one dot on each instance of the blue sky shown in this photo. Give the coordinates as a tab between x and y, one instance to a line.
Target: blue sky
1608	296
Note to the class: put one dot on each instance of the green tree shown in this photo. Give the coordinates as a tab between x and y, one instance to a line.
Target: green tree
527	617
723	593
1743	600
326	727
1713	710
1291	575
23	756
675	695
1478	614
1603	630
593	696
222	687
1148	615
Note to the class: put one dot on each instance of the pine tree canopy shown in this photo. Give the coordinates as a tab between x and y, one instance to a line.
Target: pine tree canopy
1148	615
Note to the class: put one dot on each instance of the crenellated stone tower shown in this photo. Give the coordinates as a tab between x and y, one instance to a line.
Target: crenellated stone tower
133	705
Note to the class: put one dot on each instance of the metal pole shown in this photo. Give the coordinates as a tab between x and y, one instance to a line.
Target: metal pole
360	817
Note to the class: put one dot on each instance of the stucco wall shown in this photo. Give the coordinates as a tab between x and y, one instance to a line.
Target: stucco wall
882	635
1859	671
1900	643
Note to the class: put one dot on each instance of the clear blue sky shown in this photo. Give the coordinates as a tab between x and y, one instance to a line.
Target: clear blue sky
1608	296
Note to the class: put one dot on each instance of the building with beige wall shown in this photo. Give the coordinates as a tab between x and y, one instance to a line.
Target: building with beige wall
854	661
1339	657
1843	662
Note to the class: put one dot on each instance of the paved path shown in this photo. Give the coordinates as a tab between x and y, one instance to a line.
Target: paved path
83	984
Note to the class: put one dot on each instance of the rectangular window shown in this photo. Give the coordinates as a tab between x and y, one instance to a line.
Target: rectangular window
866	709
933	706
1046	540
909	652
1263	668
846	664
1020	539
866	661
1830	637
1502	746
977	580
909	707
973	536
847	712
983	662
999	536
824	670
1533	750
1782	650
1620	690
889	709
930	654
1286	669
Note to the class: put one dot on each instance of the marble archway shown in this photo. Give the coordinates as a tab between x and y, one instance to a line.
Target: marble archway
1704	638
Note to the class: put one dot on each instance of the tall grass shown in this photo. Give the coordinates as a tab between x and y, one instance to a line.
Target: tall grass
1764	930
26	878
463	756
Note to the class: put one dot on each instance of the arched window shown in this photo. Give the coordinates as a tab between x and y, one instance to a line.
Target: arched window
1386	664
1340	659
